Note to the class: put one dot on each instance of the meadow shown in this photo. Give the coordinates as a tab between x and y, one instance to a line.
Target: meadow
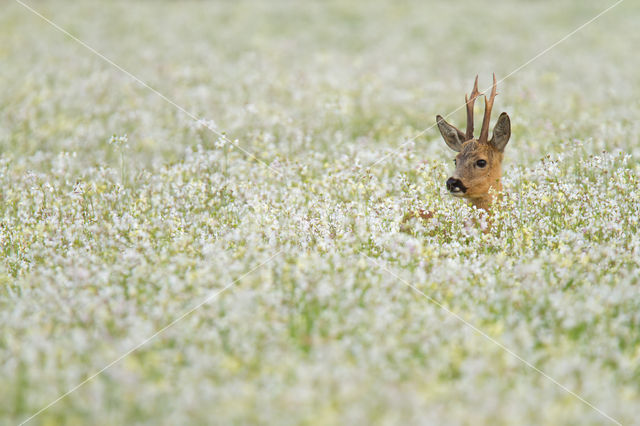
308	300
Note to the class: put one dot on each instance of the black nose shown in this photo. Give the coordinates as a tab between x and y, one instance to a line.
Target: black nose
455	185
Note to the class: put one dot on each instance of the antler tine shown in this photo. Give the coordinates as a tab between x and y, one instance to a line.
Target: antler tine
488	104
469	101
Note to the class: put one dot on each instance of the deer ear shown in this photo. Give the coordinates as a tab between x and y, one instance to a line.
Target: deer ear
501	132
451	135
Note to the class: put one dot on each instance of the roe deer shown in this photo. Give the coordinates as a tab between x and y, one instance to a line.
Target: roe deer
478	164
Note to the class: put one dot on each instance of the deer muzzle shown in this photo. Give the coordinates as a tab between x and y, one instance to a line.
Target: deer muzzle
455	186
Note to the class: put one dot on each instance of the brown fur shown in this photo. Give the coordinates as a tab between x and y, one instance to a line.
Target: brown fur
482	183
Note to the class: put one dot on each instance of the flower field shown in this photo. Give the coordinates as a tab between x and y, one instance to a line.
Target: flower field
266	276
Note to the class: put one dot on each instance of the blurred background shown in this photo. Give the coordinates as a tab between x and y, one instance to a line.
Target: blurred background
287	77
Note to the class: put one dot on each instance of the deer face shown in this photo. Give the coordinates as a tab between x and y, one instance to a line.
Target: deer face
478	163
477	170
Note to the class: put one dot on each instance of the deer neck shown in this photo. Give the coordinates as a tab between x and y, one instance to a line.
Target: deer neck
486	201
495	189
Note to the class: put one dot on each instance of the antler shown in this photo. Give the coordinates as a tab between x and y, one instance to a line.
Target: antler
488	104
470	101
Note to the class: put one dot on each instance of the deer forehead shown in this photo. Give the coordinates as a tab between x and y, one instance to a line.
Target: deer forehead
472	149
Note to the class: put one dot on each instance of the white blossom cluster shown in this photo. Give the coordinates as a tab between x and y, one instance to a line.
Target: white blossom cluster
119	214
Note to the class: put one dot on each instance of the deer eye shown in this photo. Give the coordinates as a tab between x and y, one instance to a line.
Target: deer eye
481	163
455	162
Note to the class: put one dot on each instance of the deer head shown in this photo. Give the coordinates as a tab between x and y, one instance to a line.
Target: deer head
478	163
